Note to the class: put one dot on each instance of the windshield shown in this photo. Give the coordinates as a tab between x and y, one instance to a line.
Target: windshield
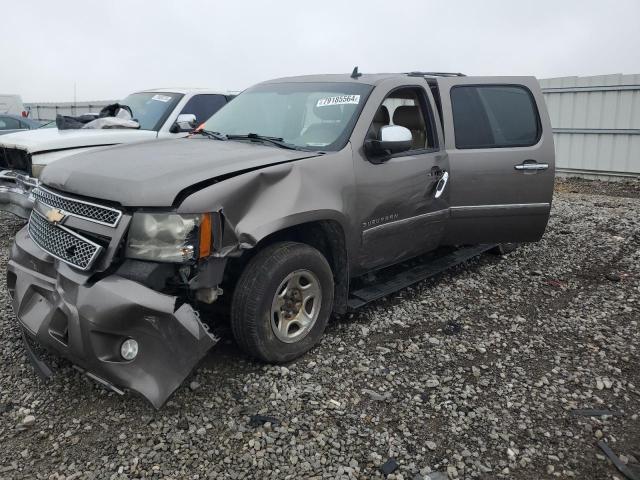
305	115
151	109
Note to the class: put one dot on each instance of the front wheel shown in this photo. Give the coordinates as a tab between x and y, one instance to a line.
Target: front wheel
282	302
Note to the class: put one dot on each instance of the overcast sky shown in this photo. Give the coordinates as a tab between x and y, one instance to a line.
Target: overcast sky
111	48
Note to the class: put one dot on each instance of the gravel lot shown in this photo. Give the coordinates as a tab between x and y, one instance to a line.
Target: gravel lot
474	374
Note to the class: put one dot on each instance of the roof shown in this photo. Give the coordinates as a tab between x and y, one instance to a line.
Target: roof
366	78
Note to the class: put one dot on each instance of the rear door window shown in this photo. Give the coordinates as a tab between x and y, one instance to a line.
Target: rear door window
494	116
203	106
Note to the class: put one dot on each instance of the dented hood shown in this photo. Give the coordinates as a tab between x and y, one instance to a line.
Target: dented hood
153	174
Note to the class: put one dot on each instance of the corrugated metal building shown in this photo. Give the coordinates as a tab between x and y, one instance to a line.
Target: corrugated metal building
596	124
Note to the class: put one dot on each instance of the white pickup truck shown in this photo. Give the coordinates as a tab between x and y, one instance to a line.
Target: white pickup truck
161	113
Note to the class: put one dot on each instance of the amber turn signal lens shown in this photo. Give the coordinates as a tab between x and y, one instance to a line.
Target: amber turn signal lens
205	236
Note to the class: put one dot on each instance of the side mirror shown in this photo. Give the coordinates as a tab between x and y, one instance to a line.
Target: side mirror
391	139
184	123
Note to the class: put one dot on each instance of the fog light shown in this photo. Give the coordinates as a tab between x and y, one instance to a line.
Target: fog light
129	349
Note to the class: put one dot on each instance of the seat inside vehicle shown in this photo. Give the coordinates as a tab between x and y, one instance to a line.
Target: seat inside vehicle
409	116
405	107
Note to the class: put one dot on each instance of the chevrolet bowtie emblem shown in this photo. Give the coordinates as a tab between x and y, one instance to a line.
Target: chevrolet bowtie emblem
54	215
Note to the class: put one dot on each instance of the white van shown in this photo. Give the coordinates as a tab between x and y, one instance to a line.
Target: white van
11	104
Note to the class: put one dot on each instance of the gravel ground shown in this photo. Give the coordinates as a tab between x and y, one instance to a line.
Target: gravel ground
474	374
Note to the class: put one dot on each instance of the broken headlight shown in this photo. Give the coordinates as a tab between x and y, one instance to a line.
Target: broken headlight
169	237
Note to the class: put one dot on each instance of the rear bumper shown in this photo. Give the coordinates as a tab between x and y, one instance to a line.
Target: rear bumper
87	323
15	193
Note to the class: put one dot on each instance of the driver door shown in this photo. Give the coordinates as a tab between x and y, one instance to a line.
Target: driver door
400	215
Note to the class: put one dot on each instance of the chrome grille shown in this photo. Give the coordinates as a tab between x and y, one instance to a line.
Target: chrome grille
79	208
62	243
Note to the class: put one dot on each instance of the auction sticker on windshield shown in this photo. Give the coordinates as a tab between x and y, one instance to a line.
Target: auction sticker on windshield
339	100
161	98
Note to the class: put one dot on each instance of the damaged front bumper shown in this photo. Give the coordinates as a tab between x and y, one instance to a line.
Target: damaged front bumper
15	192
61	310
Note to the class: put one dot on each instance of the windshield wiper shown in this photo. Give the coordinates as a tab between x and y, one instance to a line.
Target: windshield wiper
277	141
210	134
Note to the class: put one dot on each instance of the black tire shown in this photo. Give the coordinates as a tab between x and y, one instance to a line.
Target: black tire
251	305
504	248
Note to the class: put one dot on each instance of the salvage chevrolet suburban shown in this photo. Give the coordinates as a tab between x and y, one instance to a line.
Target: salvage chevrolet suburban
273	216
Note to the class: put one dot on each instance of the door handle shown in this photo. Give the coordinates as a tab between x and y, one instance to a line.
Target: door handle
529	165
442	183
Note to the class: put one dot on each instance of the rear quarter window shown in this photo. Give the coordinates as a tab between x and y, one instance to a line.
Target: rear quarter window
494	116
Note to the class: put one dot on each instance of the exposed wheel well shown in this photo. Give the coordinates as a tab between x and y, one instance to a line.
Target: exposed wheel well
327	236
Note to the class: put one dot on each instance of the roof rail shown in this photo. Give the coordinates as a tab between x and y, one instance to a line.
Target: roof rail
435	74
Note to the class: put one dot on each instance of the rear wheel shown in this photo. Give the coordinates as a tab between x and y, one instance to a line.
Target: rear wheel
282	302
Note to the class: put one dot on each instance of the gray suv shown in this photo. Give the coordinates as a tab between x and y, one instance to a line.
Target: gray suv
273	215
